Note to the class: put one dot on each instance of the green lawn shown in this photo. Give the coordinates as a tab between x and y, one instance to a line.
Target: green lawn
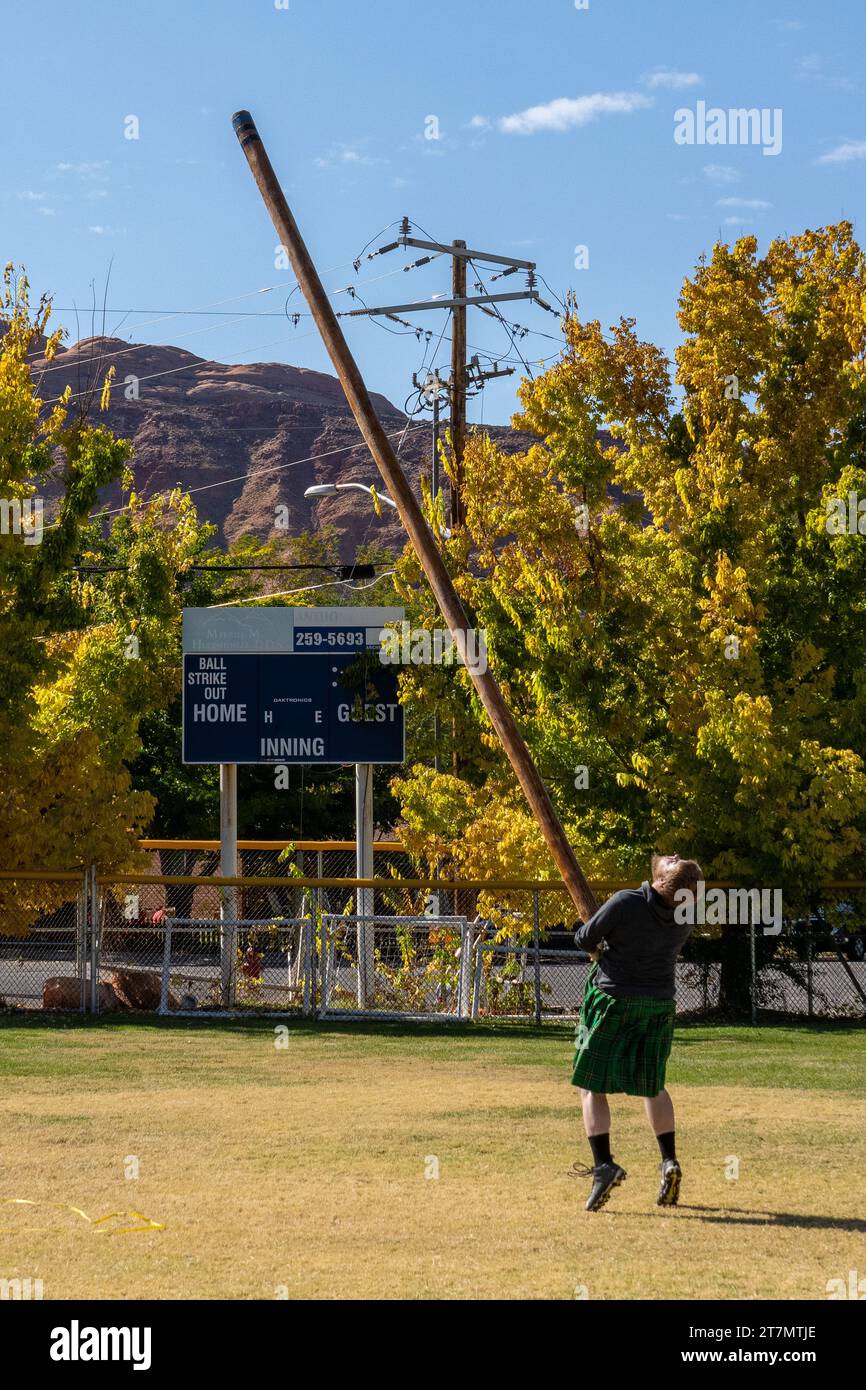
820	1056
306	1170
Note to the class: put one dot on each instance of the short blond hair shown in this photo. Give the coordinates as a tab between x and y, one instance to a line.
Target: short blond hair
686	873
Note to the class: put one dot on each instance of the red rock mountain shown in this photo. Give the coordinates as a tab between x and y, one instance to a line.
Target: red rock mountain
243	440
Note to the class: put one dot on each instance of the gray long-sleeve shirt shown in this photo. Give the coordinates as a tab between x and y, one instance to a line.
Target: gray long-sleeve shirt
641	940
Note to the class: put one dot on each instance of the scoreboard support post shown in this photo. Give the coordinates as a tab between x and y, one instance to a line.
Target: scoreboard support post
364	905
228	869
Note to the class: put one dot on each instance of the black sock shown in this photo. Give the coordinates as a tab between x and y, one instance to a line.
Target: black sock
600	1145
668	1145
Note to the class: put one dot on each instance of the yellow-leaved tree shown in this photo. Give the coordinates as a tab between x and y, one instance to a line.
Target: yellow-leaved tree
676	622
80	663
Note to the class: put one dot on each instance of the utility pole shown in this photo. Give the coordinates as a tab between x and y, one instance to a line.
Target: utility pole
411	515
364	922
432	389
458	384
474	379
459	302
228	869
434	466
434	493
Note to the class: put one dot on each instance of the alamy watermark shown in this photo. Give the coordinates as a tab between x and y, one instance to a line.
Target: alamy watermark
854	1287
22	516
423	646
719	907
736	126
21	1290
846	515
77	1343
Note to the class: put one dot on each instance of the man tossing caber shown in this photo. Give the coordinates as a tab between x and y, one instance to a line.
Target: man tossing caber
627	1019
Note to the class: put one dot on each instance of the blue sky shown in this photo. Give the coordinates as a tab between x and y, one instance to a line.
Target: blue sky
556	129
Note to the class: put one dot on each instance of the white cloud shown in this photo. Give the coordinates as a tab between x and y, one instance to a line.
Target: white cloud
758	204
45	212
479	123
810	66
344	154
86	169
738	221
28	196
100	230
675	81
844	153
565	113
721	173
813	68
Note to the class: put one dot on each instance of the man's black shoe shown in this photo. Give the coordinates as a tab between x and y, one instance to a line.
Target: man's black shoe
605	1177
669	1191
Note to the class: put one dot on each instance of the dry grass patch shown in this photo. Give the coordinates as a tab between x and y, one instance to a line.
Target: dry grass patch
308	1172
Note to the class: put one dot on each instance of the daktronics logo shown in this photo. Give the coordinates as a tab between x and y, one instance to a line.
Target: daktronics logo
76	1343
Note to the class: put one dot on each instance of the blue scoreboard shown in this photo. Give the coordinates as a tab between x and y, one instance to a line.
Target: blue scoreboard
289	685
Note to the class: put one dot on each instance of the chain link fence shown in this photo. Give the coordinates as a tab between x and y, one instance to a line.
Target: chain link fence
322	944
44	940
817	965
395	967
221	967
267	859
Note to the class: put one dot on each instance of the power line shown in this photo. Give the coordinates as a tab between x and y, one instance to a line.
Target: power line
552	291
250	313
175	313
209	310
459	302
185	367
365	570
199	313
101	357
357	260
308	589
498	314
295	315
242	477
215	303
257	472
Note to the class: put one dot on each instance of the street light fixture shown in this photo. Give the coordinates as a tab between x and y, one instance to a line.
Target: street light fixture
329	489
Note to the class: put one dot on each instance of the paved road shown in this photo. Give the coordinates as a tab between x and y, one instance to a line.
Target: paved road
698	990
562	979
22	980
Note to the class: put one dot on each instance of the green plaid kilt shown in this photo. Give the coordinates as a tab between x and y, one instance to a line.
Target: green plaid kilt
622	1044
